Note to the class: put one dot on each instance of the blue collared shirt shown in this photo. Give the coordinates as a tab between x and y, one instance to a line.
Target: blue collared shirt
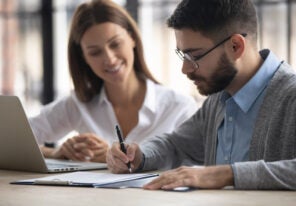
240	112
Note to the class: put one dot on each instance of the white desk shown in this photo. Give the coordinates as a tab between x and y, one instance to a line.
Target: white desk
16	195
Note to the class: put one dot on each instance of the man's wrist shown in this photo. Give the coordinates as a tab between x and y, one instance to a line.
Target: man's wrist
141	166
229	177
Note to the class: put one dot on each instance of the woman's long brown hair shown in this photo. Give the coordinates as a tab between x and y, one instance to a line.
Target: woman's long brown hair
86	83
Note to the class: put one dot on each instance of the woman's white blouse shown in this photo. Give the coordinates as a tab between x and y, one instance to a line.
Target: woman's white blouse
162	111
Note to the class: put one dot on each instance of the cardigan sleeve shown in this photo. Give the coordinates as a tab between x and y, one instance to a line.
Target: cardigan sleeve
186	145
182	147
265	175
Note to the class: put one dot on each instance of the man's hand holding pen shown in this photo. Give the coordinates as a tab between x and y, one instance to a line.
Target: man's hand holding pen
117	160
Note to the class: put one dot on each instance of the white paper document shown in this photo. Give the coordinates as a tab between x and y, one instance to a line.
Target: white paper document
85	179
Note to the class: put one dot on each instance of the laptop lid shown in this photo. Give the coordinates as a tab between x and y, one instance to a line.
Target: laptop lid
18	147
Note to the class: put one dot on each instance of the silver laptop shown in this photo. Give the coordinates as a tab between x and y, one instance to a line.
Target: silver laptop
19	149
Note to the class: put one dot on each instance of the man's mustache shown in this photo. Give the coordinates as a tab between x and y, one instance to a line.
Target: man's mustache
194	77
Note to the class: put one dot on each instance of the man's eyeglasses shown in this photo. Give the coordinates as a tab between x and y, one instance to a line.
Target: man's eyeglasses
193	59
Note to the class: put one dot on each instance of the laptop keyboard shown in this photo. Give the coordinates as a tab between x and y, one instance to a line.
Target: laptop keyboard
68	165
60	164
56	165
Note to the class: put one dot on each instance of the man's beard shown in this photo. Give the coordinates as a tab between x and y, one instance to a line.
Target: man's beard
219	80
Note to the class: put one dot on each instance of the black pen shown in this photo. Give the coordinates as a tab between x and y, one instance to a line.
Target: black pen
122	147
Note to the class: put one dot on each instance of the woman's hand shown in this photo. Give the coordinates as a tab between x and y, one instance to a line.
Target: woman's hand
83	147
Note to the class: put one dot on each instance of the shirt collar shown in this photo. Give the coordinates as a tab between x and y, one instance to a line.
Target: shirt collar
149	101
103	96
150	97
248	94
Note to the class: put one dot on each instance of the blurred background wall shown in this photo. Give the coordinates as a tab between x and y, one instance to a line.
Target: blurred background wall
34	33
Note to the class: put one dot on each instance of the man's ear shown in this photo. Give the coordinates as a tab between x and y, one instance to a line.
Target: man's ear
237	46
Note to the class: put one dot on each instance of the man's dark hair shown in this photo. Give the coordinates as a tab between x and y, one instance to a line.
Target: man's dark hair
216	18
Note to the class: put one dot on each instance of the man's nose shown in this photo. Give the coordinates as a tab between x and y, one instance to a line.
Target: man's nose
187	67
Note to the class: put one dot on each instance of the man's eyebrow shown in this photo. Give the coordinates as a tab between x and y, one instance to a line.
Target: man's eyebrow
189	50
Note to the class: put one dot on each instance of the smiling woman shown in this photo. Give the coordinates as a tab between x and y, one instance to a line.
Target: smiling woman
112	85
108	50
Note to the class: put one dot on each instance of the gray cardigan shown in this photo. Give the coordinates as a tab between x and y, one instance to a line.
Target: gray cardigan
272	160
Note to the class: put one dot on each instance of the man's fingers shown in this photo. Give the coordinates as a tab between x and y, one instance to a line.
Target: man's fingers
116	159
115	165
118	154
155	184
169	180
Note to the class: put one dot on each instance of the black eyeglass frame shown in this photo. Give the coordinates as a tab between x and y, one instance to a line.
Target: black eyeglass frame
193	59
